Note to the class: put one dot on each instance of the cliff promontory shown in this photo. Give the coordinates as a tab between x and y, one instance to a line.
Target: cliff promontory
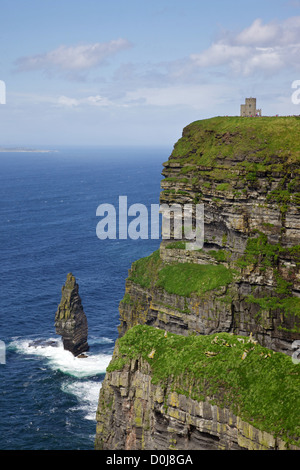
206	336
221	391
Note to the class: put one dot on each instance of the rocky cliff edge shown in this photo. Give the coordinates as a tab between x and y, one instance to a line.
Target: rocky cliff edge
244	282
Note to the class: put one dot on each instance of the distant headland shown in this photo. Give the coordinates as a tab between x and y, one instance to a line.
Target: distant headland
25	150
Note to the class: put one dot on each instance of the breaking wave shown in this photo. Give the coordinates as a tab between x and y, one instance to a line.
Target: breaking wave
87	394
59	359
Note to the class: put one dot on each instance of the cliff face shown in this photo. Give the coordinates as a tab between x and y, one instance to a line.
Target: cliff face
244	281
70	319
222	391
246	173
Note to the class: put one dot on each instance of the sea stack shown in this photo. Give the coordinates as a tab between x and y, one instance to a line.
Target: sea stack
70	319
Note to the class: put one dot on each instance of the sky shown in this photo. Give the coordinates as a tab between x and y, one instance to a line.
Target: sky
136	72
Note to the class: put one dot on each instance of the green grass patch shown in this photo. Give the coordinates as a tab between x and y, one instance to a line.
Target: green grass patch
127	300
187	278
220	255
187	169
223	187
227	137
179	278
290	306
259	250
256	384
179	245
145	270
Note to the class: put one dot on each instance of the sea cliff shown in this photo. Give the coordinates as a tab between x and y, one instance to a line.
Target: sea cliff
201	330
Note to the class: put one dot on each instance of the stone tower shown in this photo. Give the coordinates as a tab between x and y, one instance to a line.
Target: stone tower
249	108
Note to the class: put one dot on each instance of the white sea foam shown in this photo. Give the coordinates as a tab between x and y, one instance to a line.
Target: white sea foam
102	340
60	359
87	394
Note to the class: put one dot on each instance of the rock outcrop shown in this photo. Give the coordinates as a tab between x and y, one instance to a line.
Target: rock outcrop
216	392
247	175
70	319
244	281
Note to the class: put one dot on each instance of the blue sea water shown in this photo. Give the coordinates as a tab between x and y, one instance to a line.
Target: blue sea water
48	203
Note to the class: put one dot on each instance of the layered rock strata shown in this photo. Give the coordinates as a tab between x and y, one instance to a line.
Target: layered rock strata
244	281
250	189
70	319
195	405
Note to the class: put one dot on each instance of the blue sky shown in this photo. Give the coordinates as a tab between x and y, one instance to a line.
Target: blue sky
128	72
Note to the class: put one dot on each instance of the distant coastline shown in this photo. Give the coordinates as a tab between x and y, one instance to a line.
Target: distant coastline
24	150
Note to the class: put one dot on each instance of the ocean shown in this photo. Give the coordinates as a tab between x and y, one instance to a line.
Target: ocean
48	203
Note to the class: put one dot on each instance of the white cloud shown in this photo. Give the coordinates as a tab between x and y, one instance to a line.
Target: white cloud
197	97
98	101
72	58
200	97
219	54
61	101
258	34
67	102
260	47
93	100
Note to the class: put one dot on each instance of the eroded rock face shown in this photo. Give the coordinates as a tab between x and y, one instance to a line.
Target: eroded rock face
70	319
248	180
250	195
135	414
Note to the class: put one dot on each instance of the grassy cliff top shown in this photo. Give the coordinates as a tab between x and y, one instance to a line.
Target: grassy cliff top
264	140
259	385
181	279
